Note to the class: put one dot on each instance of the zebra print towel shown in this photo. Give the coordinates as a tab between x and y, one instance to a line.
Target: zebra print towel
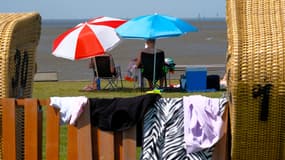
163	131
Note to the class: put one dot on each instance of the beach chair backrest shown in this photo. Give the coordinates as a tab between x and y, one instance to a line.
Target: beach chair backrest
147	62
103	66
256	78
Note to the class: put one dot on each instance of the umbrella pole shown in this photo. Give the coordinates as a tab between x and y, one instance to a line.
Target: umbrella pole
95	75
154	67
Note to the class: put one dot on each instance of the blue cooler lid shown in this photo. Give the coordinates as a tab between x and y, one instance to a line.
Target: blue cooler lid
196	69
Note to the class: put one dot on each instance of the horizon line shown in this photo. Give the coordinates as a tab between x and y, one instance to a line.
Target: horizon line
188	18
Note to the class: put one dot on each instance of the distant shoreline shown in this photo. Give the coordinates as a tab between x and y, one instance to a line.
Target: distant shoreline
45	21
73	22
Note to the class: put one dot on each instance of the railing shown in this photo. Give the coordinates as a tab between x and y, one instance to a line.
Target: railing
218	69
84	142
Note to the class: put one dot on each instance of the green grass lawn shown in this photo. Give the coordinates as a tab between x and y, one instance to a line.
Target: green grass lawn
72	88
43	90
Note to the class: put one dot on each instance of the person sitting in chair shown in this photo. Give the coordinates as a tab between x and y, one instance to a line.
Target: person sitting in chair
94	86
112	63
147	64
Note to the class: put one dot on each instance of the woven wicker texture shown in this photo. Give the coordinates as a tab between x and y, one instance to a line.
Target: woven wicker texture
19	37
256	79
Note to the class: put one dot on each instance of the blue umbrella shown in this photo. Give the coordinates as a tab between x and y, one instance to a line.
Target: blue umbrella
153	27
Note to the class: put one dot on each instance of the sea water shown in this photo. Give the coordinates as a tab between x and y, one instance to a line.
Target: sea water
207	46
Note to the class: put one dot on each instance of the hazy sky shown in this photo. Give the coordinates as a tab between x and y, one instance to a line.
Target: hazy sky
81	9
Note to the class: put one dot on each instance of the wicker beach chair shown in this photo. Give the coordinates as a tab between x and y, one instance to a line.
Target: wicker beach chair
19	37
256	78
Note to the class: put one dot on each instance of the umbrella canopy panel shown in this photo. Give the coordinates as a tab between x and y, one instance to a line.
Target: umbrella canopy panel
85	41
107	21
153	27
88	39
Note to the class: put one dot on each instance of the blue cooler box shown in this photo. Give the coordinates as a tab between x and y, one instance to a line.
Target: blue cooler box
196	79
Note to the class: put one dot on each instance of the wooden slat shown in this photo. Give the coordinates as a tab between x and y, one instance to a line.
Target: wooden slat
44	102
72	144
129	143
118	145
106	145
84	135
81	140
52	133
95	149
9	129
40	132
31	132
221	148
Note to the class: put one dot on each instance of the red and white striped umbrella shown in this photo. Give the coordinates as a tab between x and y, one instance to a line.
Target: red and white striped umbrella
107	21
88	39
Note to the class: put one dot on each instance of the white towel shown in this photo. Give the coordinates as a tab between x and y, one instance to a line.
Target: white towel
203	124
70	107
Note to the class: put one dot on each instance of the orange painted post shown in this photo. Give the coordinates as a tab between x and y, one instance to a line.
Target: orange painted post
9	129
84	139
129	144
72	143
52	133
30	130
106	145
221	149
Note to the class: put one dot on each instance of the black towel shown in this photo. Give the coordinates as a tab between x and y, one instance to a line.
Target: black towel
119	114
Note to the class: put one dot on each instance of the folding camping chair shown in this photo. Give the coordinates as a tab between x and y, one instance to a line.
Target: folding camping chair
103	72
147	67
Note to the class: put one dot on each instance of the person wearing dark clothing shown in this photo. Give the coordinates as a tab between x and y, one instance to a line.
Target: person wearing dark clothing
148	51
